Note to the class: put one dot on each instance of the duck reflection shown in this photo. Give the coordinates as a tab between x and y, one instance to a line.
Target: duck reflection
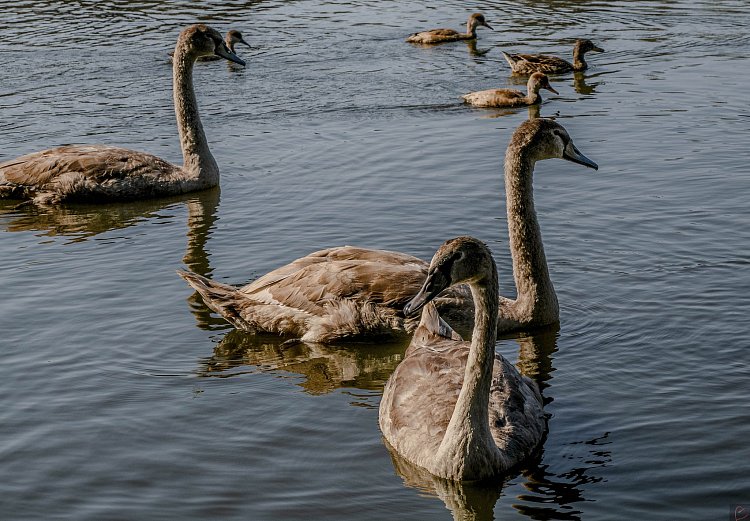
324	367
547	494
580	84
471	45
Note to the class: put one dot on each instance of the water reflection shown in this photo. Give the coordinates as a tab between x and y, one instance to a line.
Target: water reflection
471	45
83	221
581	86
325	368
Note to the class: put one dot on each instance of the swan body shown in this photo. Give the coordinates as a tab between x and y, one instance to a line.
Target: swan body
511	97
349	292
455	408
95	173
530	63
449	35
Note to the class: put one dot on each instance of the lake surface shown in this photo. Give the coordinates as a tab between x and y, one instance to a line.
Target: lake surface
125	398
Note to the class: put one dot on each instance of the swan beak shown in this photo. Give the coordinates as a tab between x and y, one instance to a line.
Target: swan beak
488	26
244	42
597	49
571	153
549	88
223	51
436	282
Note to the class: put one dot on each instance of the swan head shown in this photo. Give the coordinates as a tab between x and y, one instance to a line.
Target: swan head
233	38
477	19
538	81
457	261
546	139
201	40
584	46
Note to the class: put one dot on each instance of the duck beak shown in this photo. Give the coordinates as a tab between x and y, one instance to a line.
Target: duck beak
223	51
488	26
436	282
571	153
244	42
549	88
597	49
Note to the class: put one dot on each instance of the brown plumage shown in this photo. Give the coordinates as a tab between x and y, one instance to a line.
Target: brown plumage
351	292
232	38
530	63
449	35
96	173
511	97
455	408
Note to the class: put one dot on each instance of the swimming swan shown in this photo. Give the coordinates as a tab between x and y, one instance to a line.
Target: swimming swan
348	292
459	409
100	172
511	97
449	35
530	63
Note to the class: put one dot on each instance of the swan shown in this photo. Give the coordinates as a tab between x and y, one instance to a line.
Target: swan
349	292
94	173
449	35
511	97
529	63
459	409
231	40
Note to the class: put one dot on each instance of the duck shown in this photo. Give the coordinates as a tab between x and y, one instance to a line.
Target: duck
101	173
511	97
530	63
449	35
350	292
455	408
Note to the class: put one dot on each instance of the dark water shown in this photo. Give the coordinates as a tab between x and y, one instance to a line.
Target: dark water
123	398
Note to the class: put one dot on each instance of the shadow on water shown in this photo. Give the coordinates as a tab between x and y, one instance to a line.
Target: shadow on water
545	495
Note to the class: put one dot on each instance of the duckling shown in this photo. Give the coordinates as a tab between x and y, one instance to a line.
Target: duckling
449	35
529	63
232	38
511	97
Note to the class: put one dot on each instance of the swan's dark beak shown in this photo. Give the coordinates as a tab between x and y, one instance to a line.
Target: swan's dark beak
244	42
223	51
436	282
571	153
597	49
549	88
488	26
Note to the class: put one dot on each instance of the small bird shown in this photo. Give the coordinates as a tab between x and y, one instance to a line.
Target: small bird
530	63
449	35
511	97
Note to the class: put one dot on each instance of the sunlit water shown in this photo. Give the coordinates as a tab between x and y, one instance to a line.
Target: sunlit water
124	398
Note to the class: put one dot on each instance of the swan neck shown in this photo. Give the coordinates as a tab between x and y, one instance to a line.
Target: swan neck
579	63
536	301
198	162
468	438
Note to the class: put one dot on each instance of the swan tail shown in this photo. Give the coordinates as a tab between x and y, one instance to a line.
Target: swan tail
221	298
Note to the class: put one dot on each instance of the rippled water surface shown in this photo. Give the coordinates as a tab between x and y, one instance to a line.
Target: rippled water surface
124	398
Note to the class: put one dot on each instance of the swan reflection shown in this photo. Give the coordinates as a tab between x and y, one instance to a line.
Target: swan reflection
324	367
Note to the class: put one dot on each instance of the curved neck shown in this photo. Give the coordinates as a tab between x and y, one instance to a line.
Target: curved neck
579	63
468	442
198	162
536	302
532	92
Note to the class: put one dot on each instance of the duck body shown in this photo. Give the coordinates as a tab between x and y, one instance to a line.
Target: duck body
531	63
98	173
330	295
511	97
458	409
435	36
